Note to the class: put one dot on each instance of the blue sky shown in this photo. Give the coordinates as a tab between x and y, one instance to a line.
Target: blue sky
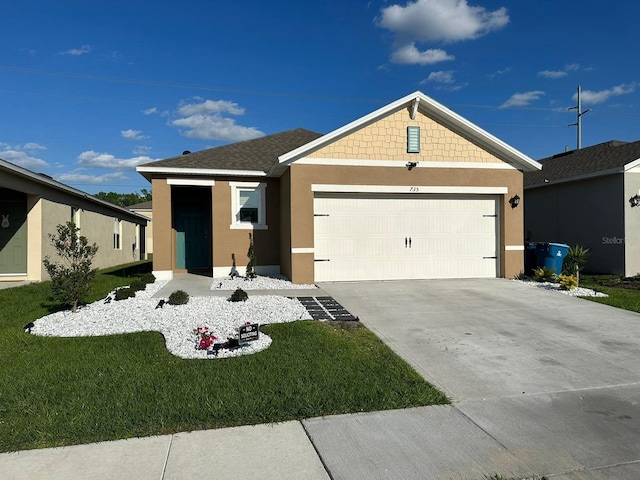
91	89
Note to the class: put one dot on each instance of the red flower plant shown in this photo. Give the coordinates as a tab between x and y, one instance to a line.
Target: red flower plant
205	338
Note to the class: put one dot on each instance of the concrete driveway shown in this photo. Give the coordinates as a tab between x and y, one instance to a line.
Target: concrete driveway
542	384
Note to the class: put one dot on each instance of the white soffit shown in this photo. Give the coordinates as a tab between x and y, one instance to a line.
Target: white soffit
438	111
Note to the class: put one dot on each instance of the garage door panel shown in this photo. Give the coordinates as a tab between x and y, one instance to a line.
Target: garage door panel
366	237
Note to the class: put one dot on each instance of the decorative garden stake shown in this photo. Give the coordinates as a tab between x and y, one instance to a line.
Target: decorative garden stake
251	274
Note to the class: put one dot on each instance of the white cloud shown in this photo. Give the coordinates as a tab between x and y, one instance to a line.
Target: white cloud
150	111
22	159
555	74
215	127
410	55
436	21
498	73
522	99
132	134
22	155
80	178
440	21
444	81
204	119
210	107
603	95
141	150
440	77
90	158
552	74
76	52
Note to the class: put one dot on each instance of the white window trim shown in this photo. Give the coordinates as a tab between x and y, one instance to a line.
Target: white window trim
236	188
117	222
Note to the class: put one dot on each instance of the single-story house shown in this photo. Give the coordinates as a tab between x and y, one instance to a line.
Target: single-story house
145	209
409	191
32	205
591	197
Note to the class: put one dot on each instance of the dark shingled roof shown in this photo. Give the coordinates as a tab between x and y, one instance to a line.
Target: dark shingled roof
258	154
590	160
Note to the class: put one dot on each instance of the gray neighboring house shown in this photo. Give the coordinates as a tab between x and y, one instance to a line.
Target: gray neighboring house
589	197
146	209
31	207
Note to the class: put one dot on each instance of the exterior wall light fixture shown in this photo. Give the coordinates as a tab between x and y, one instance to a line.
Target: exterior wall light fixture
514	201
635	200
410	165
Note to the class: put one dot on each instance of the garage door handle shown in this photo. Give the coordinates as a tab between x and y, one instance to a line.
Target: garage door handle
406	241
409	242
321	260
490	257
491	216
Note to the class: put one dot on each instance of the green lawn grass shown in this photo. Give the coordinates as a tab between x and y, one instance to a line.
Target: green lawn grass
618	297
63	391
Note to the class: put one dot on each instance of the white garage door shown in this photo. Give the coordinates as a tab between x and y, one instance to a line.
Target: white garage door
388	236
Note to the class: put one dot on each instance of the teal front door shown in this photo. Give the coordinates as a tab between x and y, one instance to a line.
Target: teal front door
193	237
13	232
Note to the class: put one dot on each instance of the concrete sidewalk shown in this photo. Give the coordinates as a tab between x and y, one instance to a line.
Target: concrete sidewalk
270	452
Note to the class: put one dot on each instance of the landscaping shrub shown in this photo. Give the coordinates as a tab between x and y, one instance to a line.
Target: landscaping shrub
575	260
238	296
71	279
544	274
520	276
179	297
137	285
148	278
124	293
568	282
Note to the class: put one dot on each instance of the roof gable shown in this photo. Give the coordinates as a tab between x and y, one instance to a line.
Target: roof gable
417	102
602	159
250	157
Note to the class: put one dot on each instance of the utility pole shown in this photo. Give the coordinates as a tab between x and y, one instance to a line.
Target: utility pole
579	119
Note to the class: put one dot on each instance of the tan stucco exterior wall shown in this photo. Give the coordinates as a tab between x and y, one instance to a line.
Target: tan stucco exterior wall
163	233
228	241
303	176
387	140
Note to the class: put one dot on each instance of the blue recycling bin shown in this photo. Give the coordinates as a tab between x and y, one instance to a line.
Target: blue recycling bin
551	255
530	259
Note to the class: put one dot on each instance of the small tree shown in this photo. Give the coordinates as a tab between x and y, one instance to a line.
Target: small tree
251	265
575	260
71	279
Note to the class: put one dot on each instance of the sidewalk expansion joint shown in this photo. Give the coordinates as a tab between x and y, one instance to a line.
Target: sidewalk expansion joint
166	458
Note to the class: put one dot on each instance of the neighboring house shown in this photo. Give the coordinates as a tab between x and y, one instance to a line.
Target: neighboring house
32	205
145	209
589	197
411	190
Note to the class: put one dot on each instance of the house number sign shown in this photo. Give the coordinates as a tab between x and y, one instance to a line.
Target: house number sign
414	189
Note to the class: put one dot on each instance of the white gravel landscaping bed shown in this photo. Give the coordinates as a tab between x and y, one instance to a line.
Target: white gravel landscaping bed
258	283
576	292
175	322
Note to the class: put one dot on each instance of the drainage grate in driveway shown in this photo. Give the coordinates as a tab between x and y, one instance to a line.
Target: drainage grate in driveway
326	308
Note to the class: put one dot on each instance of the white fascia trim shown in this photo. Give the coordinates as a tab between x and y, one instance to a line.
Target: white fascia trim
201	171
350	162
439	111
513	247
632	165
410	189
193	182
302	250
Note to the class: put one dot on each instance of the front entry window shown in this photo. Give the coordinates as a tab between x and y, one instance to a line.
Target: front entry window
248	205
